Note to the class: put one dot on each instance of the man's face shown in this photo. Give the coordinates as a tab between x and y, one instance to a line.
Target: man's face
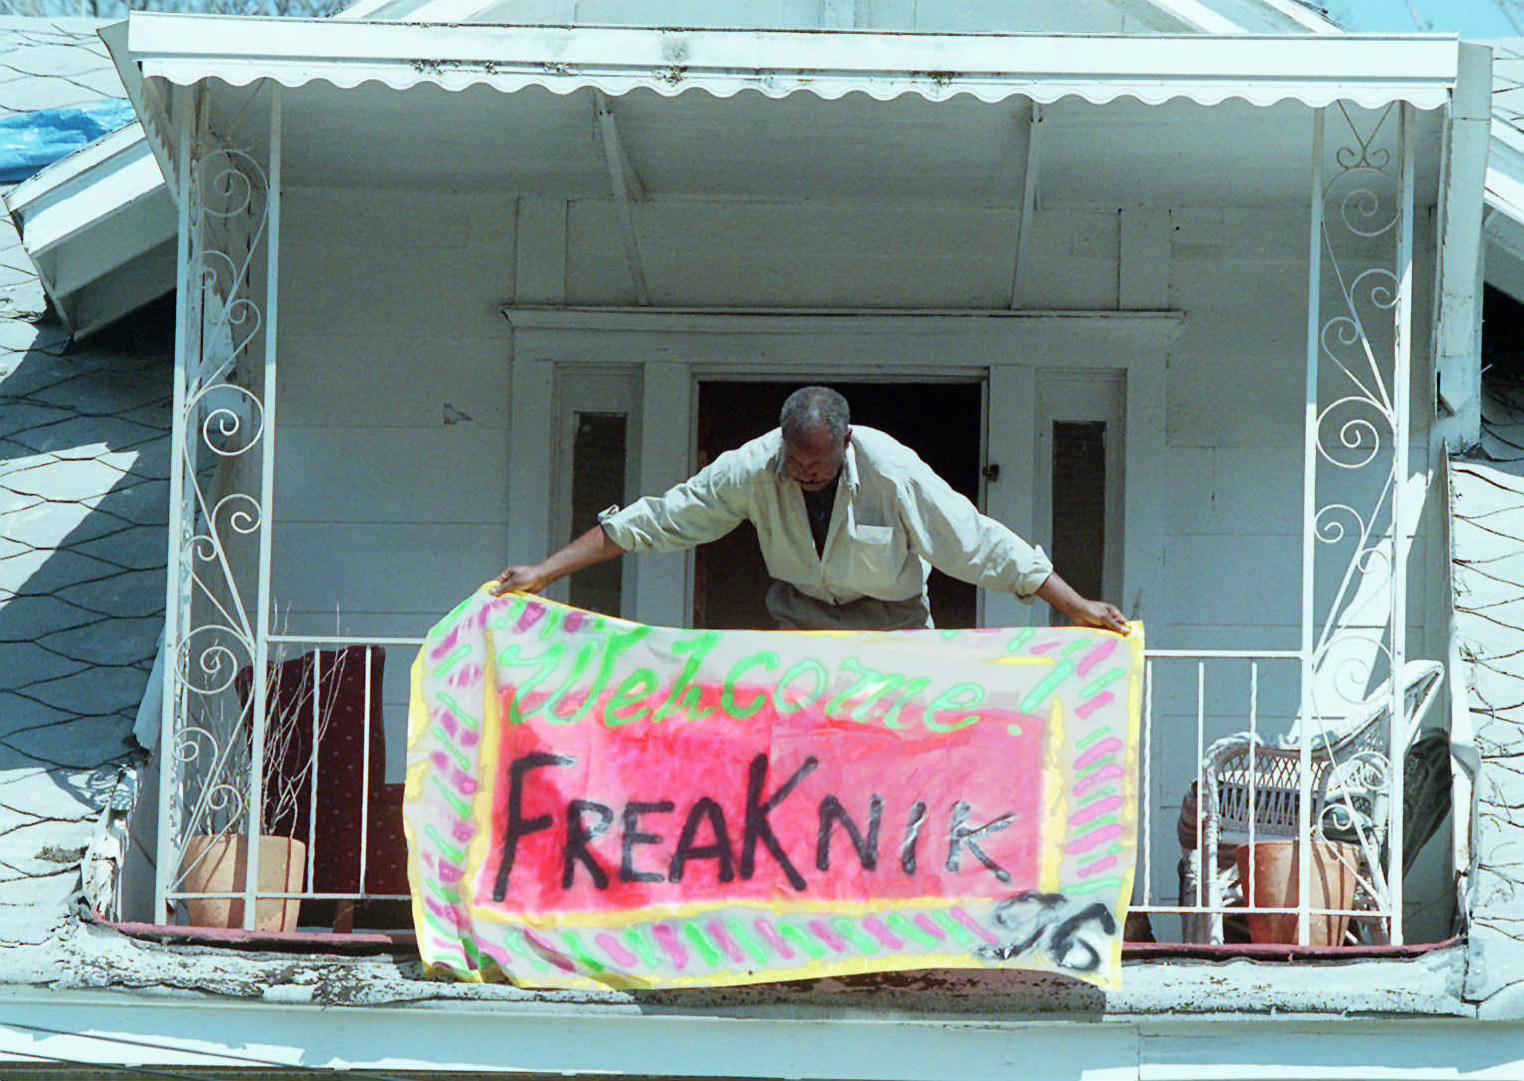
814	458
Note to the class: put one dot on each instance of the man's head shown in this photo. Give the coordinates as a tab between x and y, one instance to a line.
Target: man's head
815	436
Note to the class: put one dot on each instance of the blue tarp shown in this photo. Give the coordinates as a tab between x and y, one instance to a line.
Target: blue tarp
29	141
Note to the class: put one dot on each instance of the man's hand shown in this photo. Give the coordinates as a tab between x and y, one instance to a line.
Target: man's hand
1086	613
592	547
1099	614
527	579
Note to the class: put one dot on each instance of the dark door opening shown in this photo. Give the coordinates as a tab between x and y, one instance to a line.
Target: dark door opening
942	422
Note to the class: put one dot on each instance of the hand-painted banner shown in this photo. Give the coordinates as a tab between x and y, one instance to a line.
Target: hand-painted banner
593	802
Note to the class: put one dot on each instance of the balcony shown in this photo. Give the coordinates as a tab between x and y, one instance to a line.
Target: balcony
1218	737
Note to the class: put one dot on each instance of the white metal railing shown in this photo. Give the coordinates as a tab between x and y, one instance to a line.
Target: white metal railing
310	770
1263	783
1220	769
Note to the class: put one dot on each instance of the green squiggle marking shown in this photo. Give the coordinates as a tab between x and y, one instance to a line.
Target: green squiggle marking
700	943
1091	797
1091	887
463	650
456	855
848	930
473	953
575	947
1020	638
1075	646
953	927
449	748
1095	685
748	943
1080	745
458	805
900	925
800	940
1062	671
641	945
464	717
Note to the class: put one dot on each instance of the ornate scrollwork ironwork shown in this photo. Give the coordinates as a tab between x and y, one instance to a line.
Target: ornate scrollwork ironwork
220	422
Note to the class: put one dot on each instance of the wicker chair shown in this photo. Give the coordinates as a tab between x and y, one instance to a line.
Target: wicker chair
1252	793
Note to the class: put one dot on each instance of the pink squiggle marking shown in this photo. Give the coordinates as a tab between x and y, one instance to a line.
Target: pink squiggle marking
1095	809
968	921
770	935
450	873
717	932
571	621
929	925
1097	867
500	957
549	952
466	676
1103	749
1096	656
531	615
666	938
617	953
828	936
1093	838
1044	647
464	831
1085	709
1105	773
443	911
446	644
875	927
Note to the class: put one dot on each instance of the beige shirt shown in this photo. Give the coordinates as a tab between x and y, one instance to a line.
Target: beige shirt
892	517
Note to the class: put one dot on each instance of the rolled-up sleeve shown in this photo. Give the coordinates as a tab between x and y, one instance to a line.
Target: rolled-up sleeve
703	508
948	532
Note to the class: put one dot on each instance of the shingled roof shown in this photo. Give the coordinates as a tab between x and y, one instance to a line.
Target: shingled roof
84	452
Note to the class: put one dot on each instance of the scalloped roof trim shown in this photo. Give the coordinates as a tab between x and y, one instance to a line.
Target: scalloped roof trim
933	86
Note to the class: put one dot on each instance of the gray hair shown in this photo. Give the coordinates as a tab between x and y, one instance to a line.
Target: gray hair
811	408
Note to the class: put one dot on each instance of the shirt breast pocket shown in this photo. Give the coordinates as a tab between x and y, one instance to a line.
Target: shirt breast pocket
878	552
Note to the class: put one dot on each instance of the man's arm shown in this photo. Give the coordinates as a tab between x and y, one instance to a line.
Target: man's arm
592	547
1087	613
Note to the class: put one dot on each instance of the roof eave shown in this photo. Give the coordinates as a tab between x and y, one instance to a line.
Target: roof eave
1368	70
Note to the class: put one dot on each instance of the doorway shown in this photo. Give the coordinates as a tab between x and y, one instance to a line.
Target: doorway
942	422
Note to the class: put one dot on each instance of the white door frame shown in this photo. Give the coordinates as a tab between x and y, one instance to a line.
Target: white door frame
672	349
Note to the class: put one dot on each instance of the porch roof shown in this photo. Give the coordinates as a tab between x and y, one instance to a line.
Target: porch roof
1163	121
1368	70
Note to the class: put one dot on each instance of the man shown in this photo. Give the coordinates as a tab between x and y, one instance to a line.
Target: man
848	519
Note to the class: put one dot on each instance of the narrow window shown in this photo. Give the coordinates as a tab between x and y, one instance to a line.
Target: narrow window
598	467
1079	505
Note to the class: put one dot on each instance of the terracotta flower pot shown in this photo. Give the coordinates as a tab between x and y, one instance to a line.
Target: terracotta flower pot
218	864
1274	867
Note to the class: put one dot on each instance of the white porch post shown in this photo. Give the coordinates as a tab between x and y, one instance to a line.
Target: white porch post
1402	363
1354	620
1310	492
261	681
182	520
